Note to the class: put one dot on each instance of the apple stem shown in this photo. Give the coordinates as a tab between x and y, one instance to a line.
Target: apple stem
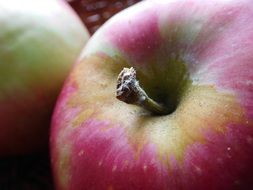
129	91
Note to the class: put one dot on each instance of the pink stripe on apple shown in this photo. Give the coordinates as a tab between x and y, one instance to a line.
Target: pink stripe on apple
138	36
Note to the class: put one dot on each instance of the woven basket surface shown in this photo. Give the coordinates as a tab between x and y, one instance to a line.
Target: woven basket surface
33	172
94	13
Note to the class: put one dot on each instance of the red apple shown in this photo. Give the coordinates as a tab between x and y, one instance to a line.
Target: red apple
39	41
193	56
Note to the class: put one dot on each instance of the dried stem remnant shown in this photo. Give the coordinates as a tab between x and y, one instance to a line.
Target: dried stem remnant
129	91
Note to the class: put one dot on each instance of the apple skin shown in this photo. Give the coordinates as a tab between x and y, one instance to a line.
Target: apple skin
196	57
40	40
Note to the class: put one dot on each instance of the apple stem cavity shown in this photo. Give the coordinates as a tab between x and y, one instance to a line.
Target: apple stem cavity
129	91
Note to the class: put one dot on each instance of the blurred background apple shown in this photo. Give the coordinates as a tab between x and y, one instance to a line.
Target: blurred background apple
40	40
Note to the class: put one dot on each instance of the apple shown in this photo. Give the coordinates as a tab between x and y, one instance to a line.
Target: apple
192	57
40	40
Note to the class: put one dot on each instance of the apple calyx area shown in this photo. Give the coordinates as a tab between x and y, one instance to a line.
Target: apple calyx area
129	91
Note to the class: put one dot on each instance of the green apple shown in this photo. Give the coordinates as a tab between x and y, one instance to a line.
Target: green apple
39	41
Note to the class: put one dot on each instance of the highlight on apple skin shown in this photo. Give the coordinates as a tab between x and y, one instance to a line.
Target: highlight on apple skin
195	57
40	40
